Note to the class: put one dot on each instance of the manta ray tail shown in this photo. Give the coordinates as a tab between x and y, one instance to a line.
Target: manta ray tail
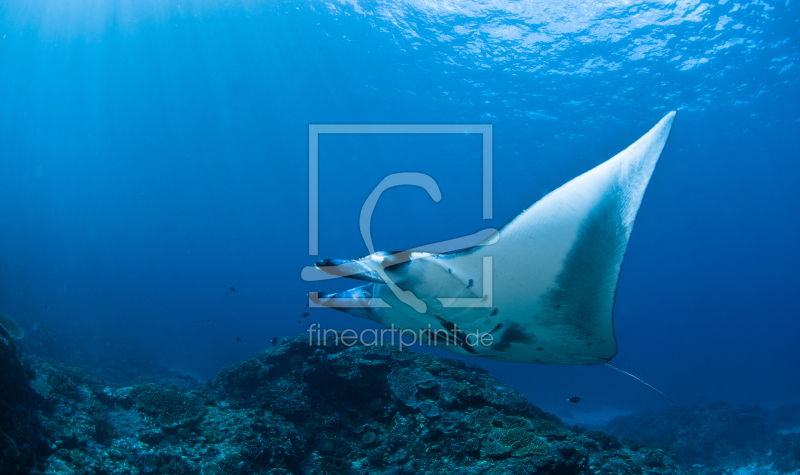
638	379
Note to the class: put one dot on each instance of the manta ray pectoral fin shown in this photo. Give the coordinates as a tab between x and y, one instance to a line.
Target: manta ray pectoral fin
557	264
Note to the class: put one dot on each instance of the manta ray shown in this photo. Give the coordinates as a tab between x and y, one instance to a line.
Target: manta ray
540	290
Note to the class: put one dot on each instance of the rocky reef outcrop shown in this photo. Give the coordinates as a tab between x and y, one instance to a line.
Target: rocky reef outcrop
312	410
22	441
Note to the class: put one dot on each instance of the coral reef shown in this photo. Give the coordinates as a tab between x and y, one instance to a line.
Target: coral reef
169	407
309	410
720	437
407	380
21	431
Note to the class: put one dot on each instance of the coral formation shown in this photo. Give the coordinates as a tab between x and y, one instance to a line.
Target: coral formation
720	437
9	328
310	410
407	380
170	407
515	442
21	431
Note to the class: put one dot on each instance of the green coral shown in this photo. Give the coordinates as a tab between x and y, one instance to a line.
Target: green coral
481	420
469	394
213	436
472	445
514	422
503	435
545	428
524	443
406	381
11	328
429	408
170	408
514	442
369	438
493	447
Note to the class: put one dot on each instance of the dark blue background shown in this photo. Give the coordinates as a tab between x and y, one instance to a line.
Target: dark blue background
151	157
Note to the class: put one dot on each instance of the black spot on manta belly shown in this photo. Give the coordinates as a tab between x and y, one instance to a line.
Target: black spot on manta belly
454	335
514	334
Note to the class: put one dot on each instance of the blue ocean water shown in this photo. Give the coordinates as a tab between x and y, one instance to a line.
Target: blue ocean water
154	155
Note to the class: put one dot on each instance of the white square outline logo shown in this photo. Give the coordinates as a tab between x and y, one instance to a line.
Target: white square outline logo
485	130
314	131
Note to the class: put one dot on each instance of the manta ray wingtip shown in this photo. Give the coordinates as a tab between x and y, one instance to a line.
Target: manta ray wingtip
670	117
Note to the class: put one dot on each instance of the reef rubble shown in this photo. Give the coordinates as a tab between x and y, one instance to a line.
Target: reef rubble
299	409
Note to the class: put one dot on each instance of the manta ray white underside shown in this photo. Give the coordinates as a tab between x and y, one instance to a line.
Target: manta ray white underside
541	290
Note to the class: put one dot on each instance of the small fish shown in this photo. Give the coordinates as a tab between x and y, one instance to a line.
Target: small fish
239	339
232	289
274	340
304	315
45	305
208	321
574	399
